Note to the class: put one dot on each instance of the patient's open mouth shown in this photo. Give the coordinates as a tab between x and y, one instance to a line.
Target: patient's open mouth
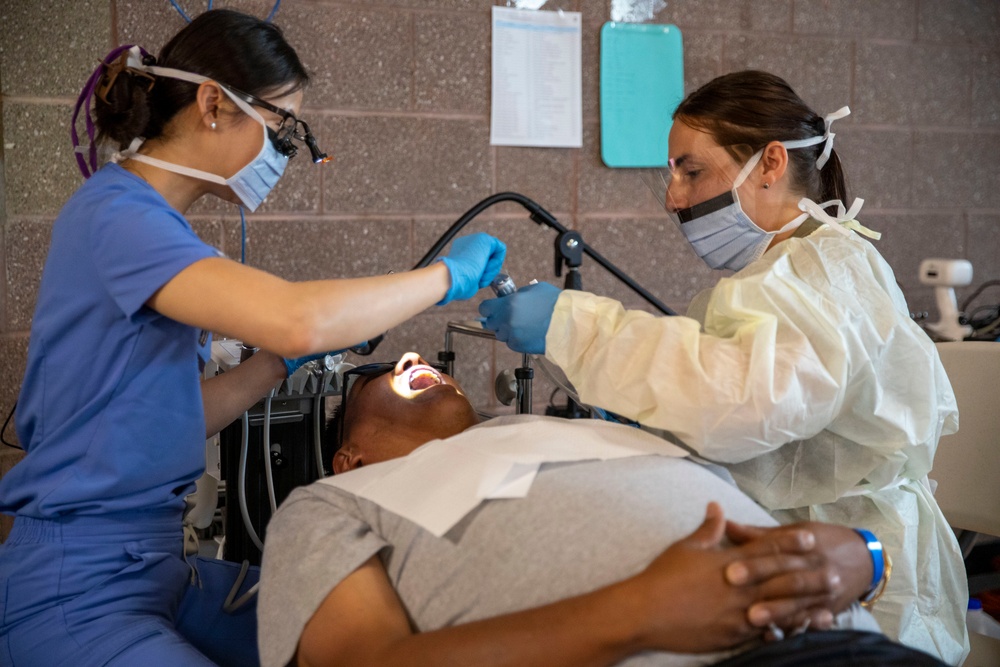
417	379
422	377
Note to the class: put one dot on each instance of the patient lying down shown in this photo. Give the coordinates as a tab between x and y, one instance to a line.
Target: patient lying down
599	562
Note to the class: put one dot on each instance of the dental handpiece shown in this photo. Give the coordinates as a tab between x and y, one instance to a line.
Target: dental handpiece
502	285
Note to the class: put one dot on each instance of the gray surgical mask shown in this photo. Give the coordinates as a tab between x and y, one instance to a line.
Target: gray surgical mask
721	233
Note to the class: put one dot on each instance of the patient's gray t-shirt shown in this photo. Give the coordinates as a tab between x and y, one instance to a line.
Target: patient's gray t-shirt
582	525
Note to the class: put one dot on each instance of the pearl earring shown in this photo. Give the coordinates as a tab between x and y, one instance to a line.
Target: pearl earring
212	125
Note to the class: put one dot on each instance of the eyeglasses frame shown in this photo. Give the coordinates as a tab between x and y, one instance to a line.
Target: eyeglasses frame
372	370
282	139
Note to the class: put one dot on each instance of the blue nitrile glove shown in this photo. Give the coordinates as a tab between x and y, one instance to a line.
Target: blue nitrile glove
522	319
294	364
473	262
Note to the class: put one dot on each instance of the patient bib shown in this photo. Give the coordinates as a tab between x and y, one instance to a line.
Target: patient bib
439	483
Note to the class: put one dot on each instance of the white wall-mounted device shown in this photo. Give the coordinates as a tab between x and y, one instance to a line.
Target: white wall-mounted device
945	275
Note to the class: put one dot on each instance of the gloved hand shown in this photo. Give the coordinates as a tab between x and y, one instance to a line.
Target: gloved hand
473	262
522	319
294	364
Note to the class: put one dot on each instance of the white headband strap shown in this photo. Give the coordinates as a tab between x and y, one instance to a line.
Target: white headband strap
135	62
827	136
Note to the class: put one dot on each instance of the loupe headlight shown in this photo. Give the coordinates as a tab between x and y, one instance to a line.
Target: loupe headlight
318	156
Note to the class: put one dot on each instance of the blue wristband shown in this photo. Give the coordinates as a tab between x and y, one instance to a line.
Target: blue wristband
878	557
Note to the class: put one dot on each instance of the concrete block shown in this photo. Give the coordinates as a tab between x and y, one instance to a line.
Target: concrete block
545	175
986	88
153	24
358	58
393	164
960	22
13	359
728	15
27	248
889	19
604	189
910	83
702	59
590	57
49	48
983	250
950	172
452	62
40	170
149	24
321	249
879	165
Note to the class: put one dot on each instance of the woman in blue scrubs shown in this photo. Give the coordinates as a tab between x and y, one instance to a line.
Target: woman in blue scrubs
113	413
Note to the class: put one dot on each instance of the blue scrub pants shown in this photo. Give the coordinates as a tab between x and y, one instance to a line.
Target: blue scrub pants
116	590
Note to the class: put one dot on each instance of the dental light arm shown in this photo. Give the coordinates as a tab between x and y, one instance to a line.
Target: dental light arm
569	246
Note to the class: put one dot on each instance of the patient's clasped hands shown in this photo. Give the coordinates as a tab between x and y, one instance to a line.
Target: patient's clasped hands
700	595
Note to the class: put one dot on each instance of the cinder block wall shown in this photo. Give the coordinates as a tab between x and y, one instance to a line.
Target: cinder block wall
401	96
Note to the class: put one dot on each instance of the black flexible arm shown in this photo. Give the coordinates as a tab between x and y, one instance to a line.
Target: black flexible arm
542	217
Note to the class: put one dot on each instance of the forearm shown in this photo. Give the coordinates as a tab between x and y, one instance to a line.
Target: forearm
575	632
228	395
578	631
293	319
356	310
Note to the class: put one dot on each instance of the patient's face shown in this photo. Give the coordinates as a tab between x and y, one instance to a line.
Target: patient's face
390	415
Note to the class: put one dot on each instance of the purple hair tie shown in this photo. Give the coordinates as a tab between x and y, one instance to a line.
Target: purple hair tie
83	102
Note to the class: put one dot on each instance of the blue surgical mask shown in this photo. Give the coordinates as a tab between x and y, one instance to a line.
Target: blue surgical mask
253	182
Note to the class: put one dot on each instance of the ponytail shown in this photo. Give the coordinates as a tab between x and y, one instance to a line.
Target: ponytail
122	107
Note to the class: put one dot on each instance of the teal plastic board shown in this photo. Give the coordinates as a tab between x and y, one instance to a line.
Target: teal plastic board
642	82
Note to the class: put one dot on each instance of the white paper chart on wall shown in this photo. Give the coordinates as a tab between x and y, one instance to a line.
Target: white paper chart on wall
537	79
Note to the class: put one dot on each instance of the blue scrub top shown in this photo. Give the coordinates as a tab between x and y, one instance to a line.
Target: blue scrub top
110	411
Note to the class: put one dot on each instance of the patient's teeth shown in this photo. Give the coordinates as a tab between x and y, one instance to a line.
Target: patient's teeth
423	380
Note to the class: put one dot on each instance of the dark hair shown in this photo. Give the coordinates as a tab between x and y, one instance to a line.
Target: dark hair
230	47
745	111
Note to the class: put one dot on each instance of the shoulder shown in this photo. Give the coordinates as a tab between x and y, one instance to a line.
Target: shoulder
324	500
112	181
825	260
114	197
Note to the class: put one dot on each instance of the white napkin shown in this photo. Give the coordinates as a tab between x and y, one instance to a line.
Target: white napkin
436	485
